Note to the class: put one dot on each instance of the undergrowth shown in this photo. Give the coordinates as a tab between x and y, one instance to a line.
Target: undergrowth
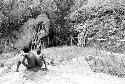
110	65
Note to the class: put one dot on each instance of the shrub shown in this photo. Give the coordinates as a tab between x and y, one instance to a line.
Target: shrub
110	65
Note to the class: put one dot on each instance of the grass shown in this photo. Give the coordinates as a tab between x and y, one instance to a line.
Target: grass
112	64
66	53
102	61
99	61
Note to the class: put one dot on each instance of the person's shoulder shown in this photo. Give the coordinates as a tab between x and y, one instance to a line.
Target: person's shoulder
42	52
32	54
29	54
42	55
25	54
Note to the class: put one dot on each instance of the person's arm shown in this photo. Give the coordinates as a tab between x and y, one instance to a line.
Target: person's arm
44	61
24	59
19	63
23	62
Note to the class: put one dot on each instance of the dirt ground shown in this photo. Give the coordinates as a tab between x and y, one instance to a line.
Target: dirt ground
70	68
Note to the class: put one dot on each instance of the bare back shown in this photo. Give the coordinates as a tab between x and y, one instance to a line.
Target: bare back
30	59
39	60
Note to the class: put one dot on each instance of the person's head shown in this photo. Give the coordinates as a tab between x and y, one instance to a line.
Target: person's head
38	51
26	49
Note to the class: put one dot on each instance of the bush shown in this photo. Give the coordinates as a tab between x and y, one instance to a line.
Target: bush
110	65
104	20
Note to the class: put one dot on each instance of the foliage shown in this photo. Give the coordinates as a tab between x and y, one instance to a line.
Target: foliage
109	64
104	20
13	14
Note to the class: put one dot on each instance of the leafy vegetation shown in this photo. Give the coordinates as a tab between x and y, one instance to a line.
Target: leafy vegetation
104	20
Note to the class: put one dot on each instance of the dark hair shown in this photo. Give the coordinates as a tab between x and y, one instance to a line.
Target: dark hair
38	51
26	49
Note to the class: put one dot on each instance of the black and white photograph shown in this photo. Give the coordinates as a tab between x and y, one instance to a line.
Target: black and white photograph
62	41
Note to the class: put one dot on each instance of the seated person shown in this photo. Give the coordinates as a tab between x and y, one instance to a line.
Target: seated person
30	57
40	59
